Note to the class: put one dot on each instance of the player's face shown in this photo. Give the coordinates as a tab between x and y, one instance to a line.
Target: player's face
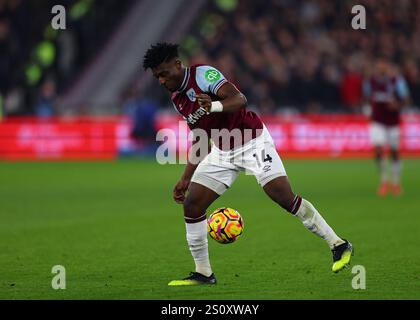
170	74
382	68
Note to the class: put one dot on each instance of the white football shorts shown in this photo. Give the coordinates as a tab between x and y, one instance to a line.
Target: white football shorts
258	157
381	135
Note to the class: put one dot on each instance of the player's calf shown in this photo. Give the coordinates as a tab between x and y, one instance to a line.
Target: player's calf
193	212
280	191
195	205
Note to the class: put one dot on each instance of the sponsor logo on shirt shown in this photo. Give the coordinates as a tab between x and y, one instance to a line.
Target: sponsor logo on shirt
195	116
212	75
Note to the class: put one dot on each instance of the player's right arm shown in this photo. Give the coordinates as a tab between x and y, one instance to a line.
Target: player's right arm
182	185
203	147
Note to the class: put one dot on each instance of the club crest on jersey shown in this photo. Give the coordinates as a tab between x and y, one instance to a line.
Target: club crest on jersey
191	95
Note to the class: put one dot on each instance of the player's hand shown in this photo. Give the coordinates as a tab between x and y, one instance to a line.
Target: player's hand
204	101
394	105
179	191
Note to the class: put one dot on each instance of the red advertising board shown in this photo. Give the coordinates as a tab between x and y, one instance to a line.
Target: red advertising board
31	138
105	138
336	136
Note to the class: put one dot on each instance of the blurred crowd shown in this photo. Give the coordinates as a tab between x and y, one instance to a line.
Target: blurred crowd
297	55
304	55
37	63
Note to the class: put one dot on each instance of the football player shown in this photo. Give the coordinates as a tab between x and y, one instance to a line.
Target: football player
209	102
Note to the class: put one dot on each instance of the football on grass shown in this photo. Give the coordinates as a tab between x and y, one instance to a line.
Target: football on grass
225	225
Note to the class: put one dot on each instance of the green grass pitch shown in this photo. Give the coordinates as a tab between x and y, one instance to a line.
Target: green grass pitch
119	235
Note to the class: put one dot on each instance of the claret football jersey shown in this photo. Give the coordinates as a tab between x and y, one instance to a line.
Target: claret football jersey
381	92
208	80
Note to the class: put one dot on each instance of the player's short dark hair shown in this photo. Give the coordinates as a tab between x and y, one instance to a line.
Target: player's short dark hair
159	53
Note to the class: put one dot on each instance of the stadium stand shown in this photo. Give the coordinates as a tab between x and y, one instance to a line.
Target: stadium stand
37	62
298	56
303	54
298	62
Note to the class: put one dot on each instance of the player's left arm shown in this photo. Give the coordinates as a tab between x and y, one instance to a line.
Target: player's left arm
231	99
403	91
403	94
212	82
